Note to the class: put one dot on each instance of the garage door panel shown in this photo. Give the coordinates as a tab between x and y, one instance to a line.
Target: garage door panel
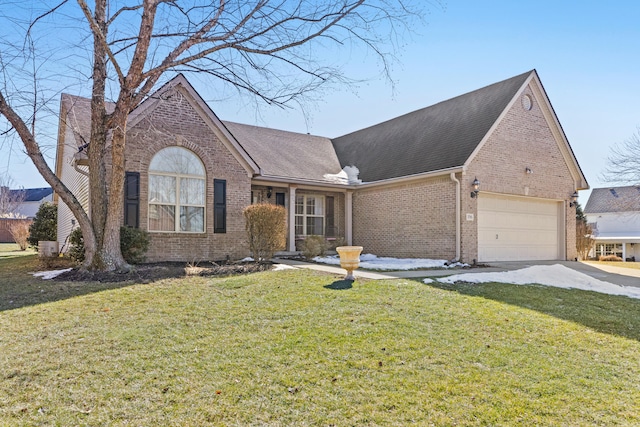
513	228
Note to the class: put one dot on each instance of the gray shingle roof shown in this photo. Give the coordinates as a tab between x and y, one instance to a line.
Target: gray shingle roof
33	194
79	116
614	199
438	137
287	154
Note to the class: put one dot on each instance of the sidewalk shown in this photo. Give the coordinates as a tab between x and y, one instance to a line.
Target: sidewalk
384	275
617	275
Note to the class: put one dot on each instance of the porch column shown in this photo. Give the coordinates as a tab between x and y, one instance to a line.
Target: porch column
348	220
292	218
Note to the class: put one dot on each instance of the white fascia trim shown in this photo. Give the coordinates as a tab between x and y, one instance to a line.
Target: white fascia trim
265	179
409	178
300	183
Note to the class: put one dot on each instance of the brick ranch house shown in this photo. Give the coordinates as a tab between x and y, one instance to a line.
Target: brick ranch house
190	175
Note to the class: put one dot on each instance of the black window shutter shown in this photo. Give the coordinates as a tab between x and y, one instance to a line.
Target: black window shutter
132	199
280	199
219	206
330	217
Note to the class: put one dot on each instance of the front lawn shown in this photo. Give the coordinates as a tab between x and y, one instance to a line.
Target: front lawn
628	264
8	250
303	348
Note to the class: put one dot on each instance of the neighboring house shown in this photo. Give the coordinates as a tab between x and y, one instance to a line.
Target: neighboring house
614	213
30	201
190	175
33	198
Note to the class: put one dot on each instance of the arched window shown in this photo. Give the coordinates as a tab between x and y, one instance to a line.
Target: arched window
176	191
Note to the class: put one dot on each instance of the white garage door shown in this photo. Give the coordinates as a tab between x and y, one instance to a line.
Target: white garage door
517	228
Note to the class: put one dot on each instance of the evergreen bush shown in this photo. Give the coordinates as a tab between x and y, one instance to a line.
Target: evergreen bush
44	225
134	243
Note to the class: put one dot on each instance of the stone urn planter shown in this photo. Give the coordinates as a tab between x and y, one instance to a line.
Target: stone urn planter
349	259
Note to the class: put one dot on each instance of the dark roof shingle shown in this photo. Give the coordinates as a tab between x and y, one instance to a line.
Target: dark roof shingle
613	199
285	154
434	138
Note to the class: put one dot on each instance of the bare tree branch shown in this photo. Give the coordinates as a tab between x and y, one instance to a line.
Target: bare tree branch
623	164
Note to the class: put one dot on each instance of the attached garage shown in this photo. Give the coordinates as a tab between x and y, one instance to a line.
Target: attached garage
519	228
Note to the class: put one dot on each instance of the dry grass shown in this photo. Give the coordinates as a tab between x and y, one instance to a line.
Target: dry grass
303	348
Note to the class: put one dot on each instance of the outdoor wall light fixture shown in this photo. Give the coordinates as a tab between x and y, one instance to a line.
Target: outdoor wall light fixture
475	185
528	171
269	192
574	199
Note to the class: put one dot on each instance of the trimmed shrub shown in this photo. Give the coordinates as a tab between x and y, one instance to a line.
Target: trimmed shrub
609	258
266	227
134	243
45	224
19	230
314	246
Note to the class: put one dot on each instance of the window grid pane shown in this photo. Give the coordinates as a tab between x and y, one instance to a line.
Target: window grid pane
162	189
192	219
162	218
309	215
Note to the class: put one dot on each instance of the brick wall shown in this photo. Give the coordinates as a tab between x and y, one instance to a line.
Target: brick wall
523	139
173	121
410	220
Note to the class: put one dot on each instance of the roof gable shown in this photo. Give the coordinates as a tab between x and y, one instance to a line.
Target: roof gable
439	137
613	199
76	114
285	154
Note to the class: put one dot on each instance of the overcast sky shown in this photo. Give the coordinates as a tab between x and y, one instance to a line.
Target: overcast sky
587	54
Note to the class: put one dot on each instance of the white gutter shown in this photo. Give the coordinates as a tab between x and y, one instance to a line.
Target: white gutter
454	179
383	182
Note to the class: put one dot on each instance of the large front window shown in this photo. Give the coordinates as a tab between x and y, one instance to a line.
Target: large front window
176	191
605	249
309	215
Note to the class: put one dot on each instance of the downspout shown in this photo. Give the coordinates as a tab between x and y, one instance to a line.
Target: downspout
454	179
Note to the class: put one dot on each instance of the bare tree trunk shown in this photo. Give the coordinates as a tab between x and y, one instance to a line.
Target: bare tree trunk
97	148
110	254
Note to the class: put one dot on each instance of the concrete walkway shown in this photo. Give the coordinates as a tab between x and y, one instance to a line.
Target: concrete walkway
616	275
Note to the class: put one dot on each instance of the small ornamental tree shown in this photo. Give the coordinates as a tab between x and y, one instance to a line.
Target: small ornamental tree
45	224
19	230
584	239
266	226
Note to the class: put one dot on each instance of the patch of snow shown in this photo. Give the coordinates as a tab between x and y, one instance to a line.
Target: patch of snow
337	178
374	262
348	175
247	259
280	267
46	275
549	275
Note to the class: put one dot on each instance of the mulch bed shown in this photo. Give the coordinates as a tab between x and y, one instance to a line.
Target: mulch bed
144	273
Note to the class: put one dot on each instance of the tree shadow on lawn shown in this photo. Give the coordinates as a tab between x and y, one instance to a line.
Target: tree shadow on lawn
610	314
19	288
340	285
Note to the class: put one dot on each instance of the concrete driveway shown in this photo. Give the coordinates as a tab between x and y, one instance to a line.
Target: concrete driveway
617	275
